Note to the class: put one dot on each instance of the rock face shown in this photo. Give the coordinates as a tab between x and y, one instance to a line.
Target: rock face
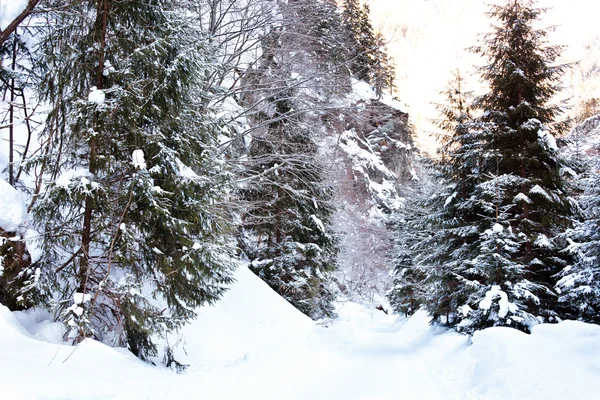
585	137
372	156
387	131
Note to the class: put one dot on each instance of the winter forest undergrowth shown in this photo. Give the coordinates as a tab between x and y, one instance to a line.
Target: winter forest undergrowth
223	198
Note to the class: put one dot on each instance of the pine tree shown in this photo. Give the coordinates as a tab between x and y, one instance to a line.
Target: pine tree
323	24
408	292
579	286
286	229
383	72
369	60
132	178
431	222
498	245
351	19
526	188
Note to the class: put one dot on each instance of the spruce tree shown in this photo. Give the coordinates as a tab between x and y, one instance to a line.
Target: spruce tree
498	247
368	60
525	189
286	228
451	217
579	286
133	240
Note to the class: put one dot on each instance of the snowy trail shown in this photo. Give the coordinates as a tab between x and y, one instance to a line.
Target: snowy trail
254	345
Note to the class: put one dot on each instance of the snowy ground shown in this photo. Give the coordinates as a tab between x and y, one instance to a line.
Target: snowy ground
254	345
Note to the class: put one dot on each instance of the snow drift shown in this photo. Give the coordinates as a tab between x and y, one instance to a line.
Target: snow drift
254	345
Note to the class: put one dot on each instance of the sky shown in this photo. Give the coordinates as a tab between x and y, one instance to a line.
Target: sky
428	39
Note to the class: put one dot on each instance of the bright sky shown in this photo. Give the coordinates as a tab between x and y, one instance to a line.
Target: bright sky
428	38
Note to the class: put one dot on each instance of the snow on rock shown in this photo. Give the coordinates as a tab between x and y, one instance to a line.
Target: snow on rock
12	209
362	91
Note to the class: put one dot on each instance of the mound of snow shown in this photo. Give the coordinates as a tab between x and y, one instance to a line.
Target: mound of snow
255	345
12	209
250	319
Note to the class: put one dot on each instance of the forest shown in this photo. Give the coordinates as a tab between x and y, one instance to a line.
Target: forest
162	159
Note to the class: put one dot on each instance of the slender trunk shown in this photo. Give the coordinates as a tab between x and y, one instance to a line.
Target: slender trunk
86	236
523	173
11	116
29	134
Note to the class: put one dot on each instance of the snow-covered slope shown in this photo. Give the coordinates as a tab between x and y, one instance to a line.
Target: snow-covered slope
254	345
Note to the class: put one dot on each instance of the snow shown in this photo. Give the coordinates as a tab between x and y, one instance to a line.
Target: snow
9	10
319	224
537	189
522	198
79	298
504	305
542	241
450	198
252	344
65	178
548	140
33	243
139	162
12	209
185	171
96	96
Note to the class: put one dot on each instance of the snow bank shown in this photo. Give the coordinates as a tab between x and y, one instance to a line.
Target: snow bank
250	319
555	362
255	345
12	209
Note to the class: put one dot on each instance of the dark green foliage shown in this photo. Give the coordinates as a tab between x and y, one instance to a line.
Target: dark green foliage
579	286
408	292
368	60
498	224
133	233
322	22
286	229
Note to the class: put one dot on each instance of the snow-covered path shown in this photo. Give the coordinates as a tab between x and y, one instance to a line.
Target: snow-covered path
254	345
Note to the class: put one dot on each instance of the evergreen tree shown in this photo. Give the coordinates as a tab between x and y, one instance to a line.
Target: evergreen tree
132	178
286	226
323	24
408	292
579	286
496	247
383	72
369	60
351	18
526	189
427	231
